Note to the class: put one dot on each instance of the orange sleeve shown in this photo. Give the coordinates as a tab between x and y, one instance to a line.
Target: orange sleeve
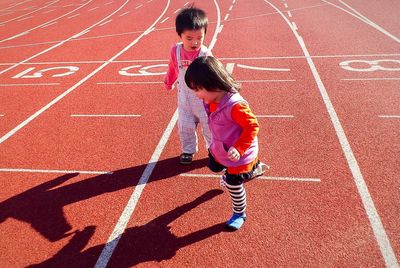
245	118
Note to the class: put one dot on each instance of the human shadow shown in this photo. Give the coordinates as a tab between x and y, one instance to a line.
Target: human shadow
153	241
42	206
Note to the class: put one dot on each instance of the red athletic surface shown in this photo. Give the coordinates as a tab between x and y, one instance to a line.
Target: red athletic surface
57	218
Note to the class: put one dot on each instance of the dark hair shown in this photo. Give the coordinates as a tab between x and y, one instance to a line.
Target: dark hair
191	18
207	72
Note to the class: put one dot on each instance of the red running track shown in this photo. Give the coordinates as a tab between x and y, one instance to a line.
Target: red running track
88	140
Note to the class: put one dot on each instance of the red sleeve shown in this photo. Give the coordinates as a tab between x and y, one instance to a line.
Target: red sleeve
172	72
245	118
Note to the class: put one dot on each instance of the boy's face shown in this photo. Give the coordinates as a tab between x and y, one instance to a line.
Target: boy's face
192	39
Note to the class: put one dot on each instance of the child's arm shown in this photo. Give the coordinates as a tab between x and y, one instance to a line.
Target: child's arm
245	118
172	72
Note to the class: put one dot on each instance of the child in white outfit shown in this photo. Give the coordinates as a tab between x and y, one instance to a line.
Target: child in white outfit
191	25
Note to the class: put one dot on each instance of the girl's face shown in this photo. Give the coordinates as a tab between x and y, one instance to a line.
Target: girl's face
192	39
209	96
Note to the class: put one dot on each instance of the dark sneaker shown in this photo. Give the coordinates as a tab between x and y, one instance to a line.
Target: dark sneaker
186	159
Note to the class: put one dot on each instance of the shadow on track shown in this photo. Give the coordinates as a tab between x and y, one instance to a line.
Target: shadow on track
42	205
150	242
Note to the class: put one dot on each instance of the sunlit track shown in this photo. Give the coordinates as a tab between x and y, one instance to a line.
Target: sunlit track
120	227
32	12
373	216
66	40
46	23
89	143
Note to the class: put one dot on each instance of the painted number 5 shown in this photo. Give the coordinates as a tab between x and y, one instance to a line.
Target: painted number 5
370	65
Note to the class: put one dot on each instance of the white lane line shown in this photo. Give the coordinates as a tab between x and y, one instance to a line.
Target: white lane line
65	93
27	170
289	14
25	18
104	23
364	19
55	19
371	79
265	81
37	84
120	227
226	16
80	34
17	18
109	3
49	24
294	26
139	6
123	14
1	115
260	177
123	220
16	36
92	9
275	116
73	16
230	8
369	206
176	11
390	116
164	20
264	69
105	115
128	83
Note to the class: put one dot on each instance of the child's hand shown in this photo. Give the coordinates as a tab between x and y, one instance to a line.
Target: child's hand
233	154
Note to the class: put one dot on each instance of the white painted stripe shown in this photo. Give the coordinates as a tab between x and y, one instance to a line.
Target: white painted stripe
105	115
134	199
369	206
65	93
263	69
265	81
186	4
93	9
230	8
371	79
260	177
364	19
109	3
275	116
129	83
47	25
294	26
25	18
139	6
80	34
26	170
389	116
286	5
123	14
38	84
123	220
73	16
176	11
164	20
1	115
17	35
104	23
289	14
226	16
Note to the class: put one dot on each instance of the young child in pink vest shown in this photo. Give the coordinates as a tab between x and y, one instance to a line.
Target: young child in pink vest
234	129
191	26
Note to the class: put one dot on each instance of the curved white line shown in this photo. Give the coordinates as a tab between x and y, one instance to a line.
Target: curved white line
3	22
66	40
369	206
48	22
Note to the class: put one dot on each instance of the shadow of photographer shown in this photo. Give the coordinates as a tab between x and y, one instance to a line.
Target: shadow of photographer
150	242
42	206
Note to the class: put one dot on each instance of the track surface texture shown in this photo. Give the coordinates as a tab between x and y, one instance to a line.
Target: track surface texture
89	169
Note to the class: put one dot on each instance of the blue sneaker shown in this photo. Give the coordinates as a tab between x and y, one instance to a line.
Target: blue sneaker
236	221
